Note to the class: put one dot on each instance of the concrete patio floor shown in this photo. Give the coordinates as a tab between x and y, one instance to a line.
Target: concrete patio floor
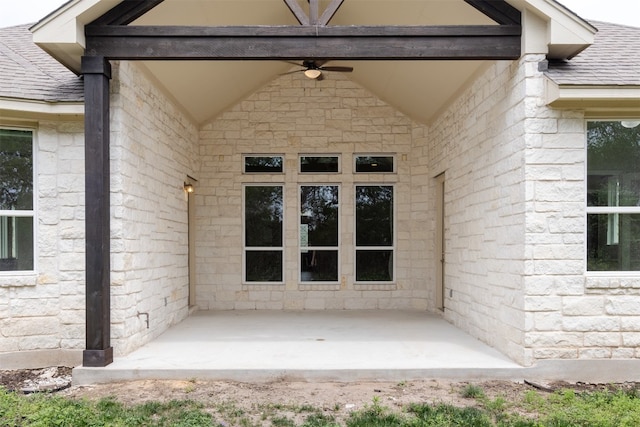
320	346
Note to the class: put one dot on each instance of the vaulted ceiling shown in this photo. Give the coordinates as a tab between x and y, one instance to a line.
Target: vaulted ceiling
417	88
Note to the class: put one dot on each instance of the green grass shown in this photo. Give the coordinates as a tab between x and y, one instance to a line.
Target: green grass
566	408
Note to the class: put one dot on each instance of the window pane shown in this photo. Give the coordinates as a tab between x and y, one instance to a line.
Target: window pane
319	164
16	170
319	215
16	243
613	242
374	164
374	266
613	156
272	164
263	266
374	215
319	266
263	216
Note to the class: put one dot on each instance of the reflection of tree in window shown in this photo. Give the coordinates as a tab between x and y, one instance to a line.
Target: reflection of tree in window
374	216
263	216
319	164
16	194
263	164
374	233
613	183
16	170
374	164
263	230
319	211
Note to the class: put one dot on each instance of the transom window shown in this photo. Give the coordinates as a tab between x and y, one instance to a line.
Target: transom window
319	164
613	196
319	231
374	164
16	200
263	164
263	233
375	241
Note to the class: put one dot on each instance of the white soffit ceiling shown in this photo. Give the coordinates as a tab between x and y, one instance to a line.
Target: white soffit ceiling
419	89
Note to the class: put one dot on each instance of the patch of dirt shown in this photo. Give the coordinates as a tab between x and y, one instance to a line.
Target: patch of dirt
260	401
36	380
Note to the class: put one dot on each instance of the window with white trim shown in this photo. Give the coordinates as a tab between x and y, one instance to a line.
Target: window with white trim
263	233
613	195
16	200
375	233
319	233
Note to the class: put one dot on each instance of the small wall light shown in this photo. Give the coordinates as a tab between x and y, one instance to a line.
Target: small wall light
188	187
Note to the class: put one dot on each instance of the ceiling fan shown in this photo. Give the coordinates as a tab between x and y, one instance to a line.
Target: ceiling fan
313	69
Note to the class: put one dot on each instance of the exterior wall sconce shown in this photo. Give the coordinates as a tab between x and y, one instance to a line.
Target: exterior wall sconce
188	184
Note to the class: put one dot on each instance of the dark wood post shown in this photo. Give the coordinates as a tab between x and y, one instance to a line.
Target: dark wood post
97	73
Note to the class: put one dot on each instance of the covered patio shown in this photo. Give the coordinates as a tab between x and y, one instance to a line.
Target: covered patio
345	345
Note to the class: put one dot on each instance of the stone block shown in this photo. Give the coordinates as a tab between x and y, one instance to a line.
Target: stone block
583	306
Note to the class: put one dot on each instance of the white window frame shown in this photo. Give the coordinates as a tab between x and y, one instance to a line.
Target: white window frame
26	213
246	249
610	210
320	248
392	248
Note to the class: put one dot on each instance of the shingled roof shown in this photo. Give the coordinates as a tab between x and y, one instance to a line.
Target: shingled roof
29	73
613	60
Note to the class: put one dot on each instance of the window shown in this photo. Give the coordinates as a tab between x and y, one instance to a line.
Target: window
263	164
374	233
319	164
263	233
613	196
374	164
319	214
16	200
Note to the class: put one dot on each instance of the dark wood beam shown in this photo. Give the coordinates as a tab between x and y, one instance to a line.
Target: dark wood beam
330	11
97	72
297	11
314	13
126	12
498	10
295	42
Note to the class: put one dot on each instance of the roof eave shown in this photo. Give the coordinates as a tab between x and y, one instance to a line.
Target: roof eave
621	99
61	33
561	33
35	108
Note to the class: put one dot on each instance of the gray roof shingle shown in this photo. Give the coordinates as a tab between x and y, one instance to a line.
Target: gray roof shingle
29	73
613	60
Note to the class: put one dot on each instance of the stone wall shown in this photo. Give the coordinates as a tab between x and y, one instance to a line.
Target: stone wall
570	314
153	149
478	143
42	314
291	116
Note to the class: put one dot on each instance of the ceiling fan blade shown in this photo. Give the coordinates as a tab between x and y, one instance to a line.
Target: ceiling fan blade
291	72
338	69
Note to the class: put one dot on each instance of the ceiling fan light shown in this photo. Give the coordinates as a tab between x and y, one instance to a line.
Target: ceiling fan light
630	124
313	74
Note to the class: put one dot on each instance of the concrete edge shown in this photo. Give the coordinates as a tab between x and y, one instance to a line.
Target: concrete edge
37	359
589	371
